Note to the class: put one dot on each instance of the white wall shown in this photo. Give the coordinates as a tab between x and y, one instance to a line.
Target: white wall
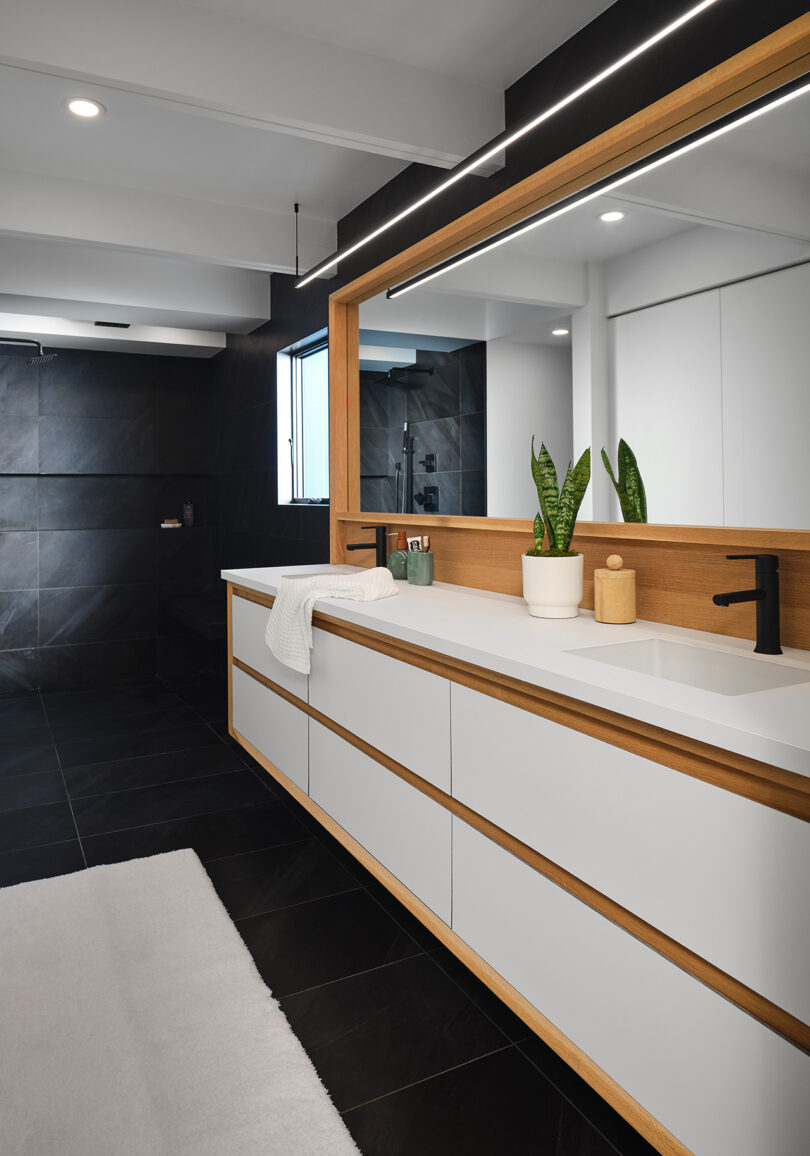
528	392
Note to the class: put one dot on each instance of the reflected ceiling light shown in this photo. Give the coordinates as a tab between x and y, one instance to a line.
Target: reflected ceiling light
560	332
85	108
639	168
506	139
613	215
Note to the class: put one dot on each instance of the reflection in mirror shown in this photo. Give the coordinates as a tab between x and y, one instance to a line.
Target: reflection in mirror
687	312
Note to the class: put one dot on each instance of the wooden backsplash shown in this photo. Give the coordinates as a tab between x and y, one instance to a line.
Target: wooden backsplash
678	569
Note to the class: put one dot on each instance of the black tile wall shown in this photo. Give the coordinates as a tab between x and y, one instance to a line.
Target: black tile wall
96	449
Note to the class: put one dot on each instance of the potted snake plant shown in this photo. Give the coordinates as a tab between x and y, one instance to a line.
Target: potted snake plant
553	577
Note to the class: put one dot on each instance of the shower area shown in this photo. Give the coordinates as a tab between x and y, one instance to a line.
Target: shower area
422	426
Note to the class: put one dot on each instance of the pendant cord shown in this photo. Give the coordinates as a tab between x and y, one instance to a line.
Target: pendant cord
296	239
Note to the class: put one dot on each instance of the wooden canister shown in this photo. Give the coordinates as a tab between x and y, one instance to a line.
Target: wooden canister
614	592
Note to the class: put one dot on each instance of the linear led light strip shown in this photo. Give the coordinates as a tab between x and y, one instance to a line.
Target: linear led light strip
607	184
502	142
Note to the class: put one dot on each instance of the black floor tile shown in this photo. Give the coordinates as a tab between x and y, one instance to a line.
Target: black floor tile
17	706
92	750
495	1106
113	702
27	760
100	814
277	877
588	1102
150	770
208	697
374	1033
70	729
211	836
40	862
328	939
36	826
26	730
31	790
426	939
510	1024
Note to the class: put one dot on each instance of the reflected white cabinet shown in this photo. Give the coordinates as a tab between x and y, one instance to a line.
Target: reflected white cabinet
274	726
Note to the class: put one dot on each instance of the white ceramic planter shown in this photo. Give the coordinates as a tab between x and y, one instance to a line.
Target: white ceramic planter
553	586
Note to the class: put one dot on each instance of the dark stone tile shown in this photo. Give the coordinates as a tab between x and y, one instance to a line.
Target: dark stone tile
498	1105
473	493
36	826
449	490
96	614
318	942
18	619
188	654
19	445
371	498
18	671
437	395
474	441
211	836
18	503
95	445
79	752
204	695
95	663
151	770
22	791
511	1025
440	437
278	877
185	555
100	814
374	1033
472	375
27	760
91	503
609	1123
18	560
25	728
40	862
19	386
186	419
109	701
400	914
96	557
373	403
171	492
67	729
97	384
22	706
373	452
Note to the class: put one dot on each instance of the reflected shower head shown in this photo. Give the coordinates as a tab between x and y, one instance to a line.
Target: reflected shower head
391	378
40	357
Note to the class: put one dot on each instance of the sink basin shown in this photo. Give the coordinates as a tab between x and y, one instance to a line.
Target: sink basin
698	666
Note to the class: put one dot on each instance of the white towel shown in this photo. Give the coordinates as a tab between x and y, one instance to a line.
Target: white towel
289	627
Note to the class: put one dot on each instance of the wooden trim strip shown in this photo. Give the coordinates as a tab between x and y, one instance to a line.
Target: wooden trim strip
794	1030
760	782
650	1128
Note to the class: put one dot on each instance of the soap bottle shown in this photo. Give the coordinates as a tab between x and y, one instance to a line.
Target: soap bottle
398	558
188	512
614	592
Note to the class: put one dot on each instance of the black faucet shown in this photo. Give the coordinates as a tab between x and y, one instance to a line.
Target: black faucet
378	544
766	596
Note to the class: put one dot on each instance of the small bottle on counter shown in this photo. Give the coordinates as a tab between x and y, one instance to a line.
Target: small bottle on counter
398	558
614	592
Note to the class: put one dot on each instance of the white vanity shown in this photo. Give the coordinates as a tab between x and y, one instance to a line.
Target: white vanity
622	857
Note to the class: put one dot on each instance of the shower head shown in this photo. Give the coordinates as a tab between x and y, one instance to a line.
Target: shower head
40	358
391	378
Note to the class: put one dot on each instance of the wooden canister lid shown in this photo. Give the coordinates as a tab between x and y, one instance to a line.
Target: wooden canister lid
614	569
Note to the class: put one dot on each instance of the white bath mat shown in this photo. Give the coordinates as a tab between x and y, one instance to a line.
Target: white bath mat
133	1022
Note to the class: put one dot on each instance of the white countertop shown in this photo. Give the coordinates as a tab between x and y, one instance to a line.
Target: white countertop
495	631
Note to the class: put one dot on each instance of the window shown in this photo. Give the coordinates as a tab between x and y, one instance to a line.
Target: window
303	422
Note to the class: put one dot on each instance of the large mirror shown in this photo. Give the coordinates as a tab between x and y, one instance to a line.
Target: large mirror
673	313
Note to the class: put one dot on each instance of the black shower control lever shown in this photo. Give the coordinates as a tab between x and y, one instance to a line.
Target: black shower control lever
378	544
766	596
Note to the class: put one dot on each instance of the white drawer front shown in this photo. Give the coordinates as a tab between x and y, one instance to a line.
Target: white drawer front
720	874
249	620
406	831
400	709
274	726
721	1082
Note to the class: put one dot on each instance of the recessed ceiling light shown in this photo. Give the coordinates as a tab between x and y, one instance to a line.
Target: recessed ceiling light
613	215
85	108
560	332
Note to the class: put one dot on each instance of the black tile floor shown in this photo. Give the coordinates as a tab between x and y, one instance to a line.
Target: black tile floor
417	1054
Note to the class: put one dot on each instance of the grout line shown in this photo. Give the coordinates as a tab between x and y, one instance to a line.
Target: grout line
291	906
258	850
64	781
153	786
173	819
351	975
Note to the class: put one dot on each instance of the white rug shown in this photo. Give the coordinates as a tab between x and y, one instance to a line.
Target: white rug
133	1022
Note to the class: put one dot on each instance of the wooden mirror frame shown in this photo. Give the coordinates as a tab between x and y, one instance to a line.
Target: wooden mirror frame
679	566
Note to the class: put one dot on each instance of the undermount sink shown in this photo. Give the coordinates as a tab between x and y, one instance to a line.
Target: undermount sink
698	666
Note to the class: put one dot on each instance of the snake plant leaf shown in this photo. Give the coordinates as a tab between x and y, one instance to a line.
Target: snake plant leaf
621	493
545	478
571	495
630	475
539	531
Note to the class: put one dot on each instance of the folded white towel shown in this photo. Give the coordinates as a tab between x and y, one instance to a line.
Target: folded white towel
289	627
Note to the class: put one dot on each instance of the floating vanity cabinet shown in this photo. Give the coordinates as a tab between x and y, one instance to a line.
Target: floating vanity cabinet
722	875
399	825
248	623
397	708
273	726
